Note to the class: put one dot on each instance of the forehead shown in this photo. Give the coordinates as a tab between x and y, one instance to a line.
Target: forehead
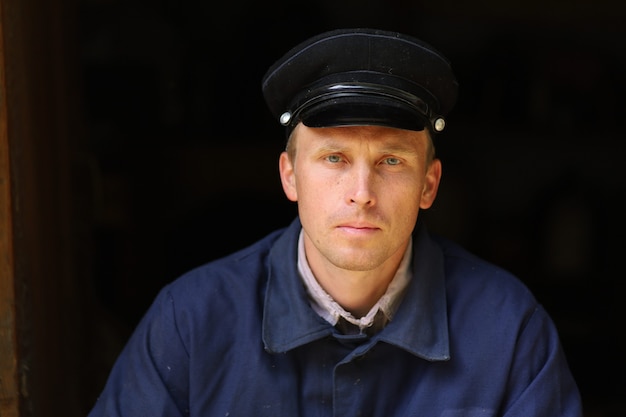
380	136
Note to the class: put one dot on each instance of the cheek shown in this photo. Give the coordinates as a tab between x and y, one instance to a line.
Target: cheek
405	193
315	182
409	202
412	207
311	191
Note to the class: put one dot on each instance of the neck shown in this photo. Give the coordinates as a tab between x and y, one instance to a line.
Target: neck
356	291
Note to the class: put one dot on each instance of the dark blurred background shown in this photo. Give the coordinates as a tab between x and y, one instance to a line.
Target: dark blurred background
177	159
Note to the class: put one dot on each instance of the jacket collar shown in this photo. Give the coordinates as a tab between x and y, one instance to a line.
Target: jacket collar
420	326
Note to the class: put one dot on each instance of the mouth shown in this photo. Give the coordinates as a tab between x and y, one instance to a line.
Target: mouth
358	228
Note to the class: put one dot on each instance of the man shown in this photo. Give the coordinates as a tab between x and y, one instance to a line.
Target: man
354	309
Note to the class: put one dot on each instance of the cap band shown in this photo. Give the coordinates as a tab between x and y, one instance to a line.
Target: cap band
356	91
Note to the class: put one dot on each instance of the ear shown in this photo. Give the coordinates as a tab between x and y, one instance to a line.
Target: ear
431	184
287	176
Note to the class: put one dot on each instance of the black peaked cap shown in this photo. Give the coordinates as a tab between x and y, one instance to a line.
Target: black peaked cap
361	77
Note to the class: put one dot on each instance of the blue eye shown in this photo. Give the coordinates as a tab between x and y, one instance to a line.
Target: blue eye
392	161
334	158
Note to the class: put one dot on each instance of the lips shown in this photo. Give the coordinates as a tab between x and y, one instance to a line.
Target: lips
358	227
358	223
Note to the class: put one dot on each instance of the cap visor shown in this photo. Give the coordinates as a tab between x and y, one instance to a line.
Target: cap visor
363	111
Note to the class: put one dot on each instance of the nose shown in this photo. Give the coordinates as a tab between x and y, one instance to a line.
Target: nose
361	186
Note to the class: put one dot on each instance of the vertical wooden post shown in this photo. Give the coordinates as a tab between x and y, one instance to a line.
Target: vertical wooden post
42	293
9	391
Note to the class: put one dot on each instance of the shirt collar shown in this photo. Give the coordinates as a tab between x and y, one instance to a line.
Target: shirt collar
420	324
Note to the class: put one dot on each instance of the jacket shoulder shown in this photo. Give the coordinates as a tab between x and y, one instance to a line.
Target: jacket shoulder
245	268
465	270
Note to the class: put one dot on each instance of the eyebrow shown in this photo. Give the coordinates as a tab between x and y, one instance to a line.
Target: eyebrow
392	149
391	145
398	149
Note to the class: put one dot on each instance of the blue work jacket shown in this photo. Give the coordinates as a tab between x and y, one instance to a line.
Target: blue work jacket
237	337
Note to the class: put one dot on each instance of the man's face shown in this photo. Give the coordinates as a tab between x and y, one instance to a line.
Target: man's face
359	190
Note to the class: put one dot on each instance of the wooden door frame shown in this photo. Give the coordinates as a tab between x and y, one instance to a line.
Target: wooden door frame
9	357
42	287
